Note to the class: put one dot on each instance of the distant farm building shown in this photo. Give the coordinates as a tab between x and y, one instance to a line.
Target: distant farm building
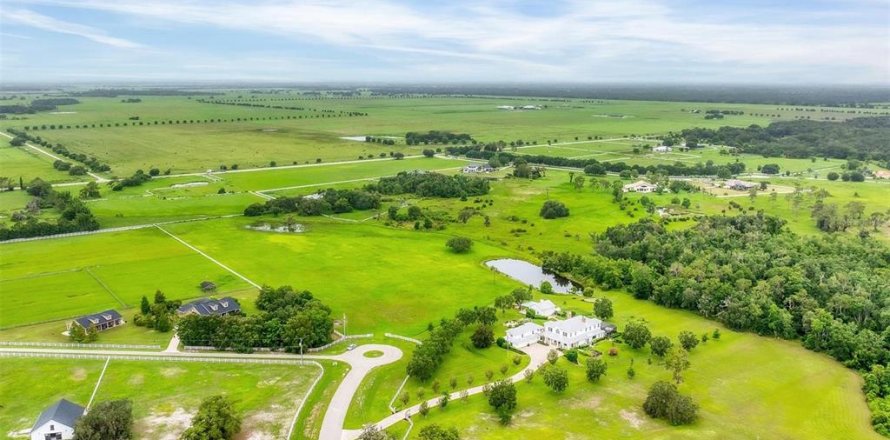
505	107
210	307
544	307
882	174
57	422
740	185
640	186
477	168
531	107
524	335
662	149
100	321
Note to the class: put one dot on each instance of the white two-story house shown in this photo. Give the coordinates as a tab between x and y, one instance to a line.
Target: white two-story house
573	332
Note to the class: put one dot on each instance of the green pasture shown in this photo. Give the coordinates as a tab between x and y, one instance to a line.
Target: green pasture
747	387
54	279
27	164
383	279
165	395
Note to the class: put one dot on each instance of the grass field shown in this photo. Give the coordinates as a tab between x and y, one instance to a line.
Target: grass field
165	395
62	278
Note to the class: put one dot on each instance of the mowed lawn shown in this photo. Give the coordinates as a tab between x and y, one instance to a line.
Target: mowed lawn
60	278
384	280
165	395
747	387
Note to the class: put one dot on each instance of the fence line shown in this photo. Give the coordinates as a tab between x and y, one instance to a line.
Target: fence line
396	395
76	345
404	338
127	357
343	339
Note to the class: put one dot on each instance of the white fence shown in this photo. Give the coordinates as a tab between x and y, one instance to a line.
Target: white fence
75	345
343	339
404	338
136	357
207	348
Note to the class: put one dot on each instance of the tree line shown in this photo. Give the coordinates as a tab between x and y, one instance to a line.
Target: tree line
331	201
288	320
857	138
74	216
438	137
37	105
426	184
327	112
134	122
92	162
595	167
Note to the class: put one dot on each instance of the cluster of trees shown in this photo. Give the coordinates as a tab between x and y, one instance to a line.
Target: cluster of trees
597	168
37	105
665	402
331	201
829	217
459	245
751	273
877	391
83	335
90	161
719	114
380	140
74	216
287	319
859	138
554	209
438	137
426	184
216	419
158	315
112	419
74	170
137	179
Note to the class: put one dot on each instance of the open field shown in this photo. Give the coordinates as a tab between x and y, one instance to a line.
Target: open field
747	387
164	394
62	278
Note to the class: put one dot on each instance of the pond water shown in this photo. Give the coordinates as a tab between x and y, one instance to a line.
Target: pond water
528	273
295	228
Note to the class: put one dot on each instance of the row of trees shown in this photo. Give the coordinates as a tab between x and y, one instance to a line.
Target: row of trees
74	215
425	184
438	137
91	162
330	201
328	112
287	320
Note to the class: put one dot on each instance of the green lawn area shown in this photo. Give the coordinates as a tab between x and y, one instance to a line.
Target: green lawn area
747	387
61	278
27	164
164	394
52	332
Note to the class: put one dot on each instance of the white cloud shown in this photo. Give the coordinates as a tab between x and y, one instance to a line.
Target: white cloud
33	19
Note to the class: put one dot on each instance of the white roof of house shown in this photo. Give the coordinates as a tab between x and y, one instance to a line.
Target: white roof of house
528	327
639	184
544	303
573	324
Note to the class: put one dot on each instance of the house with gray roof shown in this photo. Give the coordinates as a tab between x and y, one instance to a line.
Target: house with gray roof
100	321
57	422
210	307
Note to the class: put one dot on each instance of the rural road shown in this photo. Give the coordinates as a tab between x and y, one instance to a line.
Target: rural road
332	425
536	352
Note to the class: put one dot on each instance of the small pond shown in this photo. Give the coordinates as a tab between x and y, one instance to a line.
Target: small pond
528	273
294	228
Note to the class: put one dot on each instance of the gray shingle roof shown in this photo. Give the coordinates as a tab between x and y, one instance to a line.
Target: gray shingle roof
98	318
209	306
62	412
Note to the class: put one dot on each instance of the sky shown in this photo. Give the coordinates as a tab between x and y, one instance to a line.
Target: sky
429	41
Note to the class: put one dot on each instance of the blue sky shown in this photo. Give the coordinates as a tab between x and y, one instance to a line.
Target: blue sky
683	41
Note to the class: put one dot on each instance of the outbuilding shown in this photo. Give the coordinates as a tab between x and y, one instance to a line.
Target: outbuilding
524	335
57	422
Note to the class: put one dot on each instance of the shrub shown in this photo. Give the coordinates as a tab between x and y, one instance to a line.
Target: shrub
553	209
459	245
664	402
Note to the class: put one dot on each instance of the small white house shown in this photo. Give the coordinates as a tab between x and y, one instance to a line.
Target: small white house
640	186
57	422
477	168
544	307
505	107
524	335
740	185
574	332
662	149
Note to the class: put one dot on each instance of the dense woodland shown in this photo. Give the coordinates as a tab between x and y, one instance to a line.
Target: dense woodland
332	201
750	273
37	105
857	138
425	184
437	137
286	318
